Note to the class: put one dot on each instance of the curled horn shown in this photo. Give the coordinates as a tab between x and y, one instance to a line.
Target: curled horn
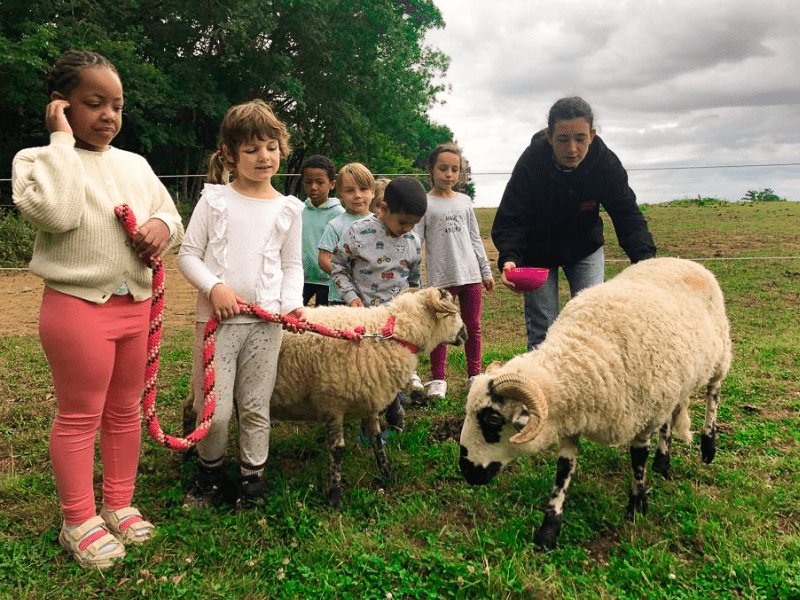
436	303
530	394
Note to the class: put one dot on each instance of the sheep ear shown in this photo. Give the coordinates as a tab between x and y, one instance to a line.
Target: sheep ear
439	301
493	367
530	394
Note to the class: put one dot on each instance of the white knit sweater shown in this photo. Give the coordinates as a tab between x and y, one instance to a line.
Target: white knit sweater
69	194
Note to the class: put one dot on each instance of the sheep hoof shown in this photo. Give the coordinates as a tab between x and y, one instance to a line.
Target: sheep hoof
708	446
661	464
546	536
636	503
335	496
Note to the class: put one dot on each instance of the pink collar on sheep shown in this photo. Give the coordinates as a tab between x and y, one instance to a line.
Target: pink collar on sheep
387	333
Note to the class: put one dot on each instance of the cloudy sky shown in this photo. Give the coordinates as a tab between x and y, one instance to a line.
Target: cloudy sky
673	83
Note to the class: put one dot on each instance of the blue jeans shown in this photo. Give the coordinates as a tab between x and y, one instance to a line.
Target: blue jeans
541	306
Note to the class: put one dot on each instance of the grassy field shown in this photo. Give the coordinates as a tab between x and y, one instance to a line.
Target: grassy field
726	530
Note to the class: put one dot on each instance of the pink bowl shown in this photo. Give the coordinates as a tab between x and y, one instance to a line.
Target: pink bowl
527	279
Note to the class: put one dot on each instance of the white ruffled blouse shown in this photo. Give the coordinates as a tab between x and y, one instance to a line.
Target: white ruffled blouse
251	245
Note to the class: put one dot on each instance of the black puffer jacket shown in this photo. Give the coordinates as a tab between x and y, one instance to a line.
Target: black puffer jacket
551	218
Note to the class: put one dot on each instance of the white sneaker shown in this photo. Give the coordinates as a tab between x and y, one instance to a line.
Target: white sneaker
436	389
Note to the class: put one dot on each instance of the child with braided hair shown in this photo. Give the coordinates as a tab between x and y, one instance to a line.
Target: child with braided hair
94	315
243	244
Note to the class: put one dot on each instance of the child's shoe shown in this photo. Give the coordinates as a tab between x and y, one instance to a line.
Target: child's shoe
206	491
128	525
251	490
436	389
92	544
416	389
470	381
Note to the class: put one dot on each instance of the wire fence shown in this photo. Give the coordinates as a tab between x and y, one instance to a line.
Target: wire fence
506	173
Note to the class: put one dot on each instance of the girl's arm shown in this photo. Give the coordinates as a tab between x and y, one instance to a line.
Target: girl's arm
191	257
480	251
292	265
49	184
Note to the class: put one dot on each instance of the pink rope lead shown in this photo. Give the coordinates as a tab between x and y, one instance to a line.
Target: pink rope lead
126	217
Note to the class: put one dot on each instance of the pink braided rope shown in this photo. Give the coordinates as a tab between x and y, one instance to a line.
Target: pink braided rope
126	217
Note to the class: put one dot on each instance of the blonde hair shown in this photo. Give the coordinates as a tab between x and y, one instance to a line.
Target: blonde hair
241	124
360	174
380	186
430	163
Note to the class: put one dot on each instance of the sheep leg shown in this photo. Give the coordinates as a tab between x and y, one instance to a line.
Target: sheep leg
547	534
708	441
334	431
661	459
372	428
637	501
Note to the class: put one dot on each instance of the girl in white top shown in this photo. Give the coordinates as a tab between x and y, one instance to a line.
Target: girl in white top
243	243
454	257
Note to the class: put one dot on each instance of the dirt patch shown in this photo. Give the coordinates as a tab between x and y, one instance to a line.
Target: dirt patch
21	294
445	429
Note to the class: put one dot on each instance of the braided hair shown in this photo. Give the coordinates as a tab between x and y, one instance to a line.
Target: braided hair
66	73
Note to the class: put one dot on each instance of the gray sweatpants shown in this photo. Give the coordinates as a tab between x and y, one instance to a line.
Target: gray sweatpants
246	359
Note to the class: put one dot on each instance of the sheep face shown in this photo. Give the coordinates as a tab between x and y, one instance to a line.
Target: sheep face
501	417
446	325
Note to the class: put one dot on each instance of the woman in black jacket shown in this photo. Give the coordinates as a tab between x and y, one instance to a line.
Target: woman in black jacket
550	212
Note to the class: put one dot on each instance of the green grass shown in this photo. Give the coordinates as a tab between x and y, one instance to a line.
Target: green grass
726	530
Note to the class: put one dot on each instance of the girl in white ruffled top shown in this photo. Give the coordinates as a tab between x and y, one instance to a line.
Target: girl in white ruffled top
243	243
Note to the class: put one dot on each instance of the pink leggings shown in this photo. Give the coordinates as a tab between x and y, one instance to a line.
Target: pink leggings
470	298
97	355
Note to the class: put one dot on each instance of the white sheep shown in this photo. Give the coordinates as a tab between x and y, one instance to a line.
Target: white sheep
619	363
333	380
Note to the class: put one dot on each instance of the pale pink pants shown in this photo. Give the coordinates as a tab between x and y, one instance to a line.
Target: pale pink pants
97	355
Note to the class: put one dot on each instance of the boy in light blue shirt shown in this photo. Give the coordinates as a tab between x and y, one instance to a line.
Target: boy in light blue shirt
319	177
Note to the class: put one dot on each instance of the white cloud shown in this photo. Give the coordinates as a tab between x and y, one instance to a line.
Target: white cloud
672	82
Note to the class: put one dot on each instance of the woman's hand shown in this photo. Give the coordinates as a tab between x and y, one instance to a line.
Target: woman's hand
224	301
506	282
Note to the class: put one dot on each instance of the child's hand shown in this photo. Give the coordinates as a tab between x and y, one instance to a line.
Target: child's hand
152	238
55	117
488	284
299	314
224	301
357	302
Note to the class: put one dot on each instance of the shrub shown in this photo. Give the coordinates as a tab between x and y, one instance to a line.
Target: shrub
765	195
16	240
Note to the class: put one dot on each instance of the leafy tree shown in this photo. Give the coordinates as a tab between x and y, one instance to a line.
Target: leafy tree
353	79
765	195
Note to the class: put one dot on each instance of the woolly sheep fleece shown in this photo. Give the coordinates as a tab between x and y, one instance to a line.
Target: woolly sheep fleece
622	355
319	375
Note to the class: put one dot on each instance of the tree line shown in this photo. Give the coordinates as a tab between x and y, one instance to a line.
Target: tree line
352	79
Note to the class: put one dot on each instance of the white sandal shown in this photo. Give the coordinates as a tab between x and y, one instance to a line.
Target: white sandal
88	548
128	525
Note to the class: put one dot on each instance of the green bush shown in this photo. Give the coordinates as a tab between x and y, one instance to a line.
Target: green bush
16	240
765	195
